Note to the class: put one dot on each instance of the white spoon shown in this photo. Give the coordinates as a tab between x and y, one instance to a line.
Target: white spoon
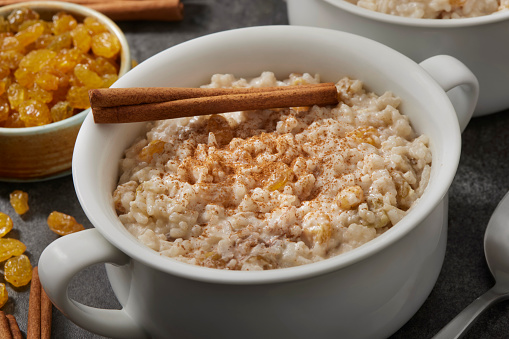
496	250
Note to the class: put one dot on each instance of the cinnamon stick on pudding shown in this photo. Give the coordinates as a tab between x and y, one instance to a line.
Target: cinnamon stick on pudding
120	105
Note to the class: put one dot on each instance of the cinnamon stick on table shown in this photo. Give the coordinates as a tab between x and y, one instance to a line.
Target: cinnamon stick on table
46	315
5	330
119	105
34	307
160	10
13	324
39	310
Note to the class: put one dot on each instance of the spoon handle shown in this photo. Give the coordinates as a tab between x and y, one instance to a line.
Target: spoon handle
458	326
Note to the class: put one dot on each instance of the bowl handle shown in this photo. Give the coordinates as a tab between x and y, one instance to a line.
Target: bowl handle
67	256
458	81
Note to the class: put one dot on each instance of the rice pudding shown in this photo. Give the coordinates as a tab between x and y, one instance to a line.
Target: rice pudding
434	9
277	188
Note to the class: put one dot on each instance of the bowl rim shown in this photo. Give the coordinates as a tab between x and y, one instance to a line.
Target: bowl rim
125	60
417	22
143	254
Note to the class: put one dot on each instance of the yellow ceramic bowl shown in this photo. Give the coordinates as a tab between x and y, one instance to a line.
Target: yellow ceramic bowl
45	152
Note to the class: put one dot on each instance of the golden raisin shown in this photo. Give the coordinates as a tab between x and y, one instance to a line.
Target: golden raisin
4	109
319	234
61	110
35	60
46	25
77	96
47	81
11	59
61	41
350	197
16	95
81	38
34	113
60	93
63	22
10	247
277	175
4	25
105	44
5	224
318	231
44	41
19	201
30	34
66	60
14	121
94	26
4	295
9	42
18	16
3	86
63	224
18	271
364	134
147	152
87	77
109	79
40	94
102	66
4	71
24	77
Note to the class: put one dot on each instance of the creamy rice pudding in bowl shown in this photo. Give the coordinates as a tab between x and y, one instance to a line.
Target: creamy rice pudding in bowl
274	188
473	31
278	220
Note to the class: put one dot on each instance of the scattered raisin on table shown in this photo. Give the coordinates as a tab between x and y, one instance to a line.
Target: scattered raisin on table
10	248
63	224
5	224
4	295
18	271
19	201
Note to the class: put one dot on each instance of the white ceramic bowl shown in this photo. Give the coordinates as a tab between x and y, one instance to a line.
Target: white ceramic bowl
45	152
480	42
367	293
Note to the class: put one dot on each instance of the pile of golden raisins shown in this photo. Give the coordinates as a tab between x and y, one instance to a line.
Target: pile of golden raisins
17	266
47	67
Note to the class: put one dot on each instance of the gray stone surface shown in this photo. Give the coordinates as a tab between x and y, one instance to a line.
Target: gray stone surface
481	181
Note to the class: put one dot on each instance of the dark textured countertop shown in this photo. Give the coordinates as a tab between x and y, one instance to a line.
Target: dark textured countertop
481	181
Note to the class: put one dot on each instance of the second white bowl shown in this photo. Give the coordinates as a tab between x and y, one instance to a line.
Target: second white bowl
480	42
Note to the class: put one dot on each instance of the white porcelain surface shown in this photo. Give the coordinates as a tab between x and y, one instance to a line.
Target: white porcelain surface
480	43
367	293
